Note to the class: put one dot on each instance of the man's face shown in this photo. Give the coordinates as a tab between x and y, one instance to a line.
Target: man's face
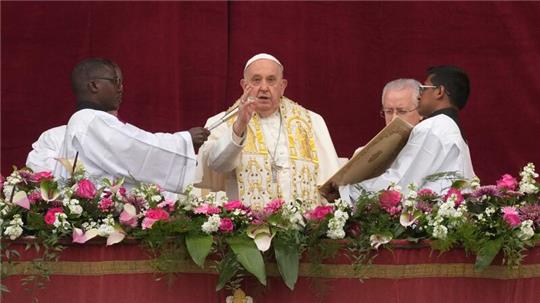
266	78
110	88
400	103
427	100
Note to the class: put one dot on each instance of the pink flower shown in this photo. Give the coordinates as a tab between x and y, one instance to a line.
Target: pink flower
122	191
426	193
86	189
273	206
105	204
207	210
507	182
511	216
34	196
37	177
232	205
389	199
50	216
226	225
454	191
319	212
153	215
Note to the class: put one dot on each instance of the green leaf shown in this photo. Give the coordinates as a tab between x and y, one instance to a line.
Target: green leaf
287	260
487	253
227	268
249	256
199	246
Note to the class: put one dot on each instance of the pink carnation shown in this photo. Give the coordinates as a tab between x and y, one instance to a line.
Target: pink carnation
511	216
226	225
319	212
389	201
37	177
207	210
454	191
86	189
50	216
232	205
273	206
153	215
105	204
507	182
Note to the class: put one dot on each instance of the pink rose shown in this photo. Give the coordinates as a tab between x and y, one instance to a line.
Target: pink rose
226	225
232	205
50	216
37	177
86	189
153	215
319	212
105	204
273	206
511	216
507	182
207	210
389	201
457	192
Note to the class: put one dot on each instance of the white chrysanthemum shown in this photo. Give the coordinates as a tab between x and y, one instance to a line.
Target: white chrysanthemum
526	230
212	225
440	231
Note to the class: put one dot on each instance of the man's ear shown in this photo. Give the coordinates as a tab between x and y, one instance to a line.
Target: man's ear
439	94
243	83
283	86
92	87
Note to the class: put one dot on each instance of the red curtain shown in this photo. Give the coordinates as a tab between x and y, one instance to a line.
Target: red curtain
182	62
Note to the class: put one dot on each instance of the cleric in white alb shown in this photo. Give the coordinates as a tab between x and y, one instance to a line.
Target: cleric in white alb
437	144
110	148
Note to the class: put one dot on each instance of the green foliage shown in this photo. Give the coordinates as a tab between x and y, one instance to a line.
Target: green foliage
199	246
249	256
286	250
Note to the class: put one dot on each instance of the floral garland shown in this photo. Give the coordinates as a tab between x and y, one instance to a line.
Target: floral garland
483	219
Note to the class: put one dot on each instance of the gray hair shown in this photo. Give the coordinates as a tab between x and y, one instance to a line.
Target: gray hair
401	84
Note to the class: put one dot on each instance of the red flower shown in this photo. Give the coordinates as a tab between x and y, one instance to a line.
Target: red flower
232	205
86	189
389	201
319	212
37	177
50	216
226	225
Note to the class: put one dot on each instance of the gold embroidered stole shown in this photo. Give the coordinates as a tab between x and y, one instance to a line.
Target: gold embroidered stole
254	174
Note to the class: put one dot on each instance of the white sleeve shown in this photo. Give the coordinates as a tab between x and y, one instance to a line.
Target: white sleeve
419	157
125	150
46	149
223	148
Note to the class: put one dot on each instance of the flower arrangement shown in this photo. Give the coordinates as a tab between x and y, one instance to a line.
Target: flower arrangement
485	220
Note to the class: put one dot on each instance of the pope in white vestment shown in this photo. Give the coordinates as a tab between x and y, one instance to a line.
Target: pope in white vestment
110	148
46	149
285	152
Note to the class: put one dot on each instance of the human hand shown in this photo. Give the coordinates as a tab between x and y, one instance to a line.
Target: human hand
330	191
198	135
245	111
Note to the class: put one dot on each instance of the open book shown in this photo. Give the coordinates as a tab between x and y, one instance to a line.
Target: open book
374	158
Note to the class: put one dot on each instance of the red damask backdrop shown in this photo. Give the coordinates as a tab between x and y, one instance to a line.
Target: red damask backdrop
182	62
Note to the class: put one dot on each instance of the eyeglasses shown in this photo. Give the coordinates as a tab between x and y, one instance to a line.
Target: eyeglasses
422	88
386	112
116	80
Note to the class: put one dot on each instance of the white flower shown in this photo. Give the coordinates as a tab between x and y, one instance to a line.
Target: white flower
440	231
528	188
61	222
14	229
75	209
156	198
106	228
489	211
212	225
526	230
